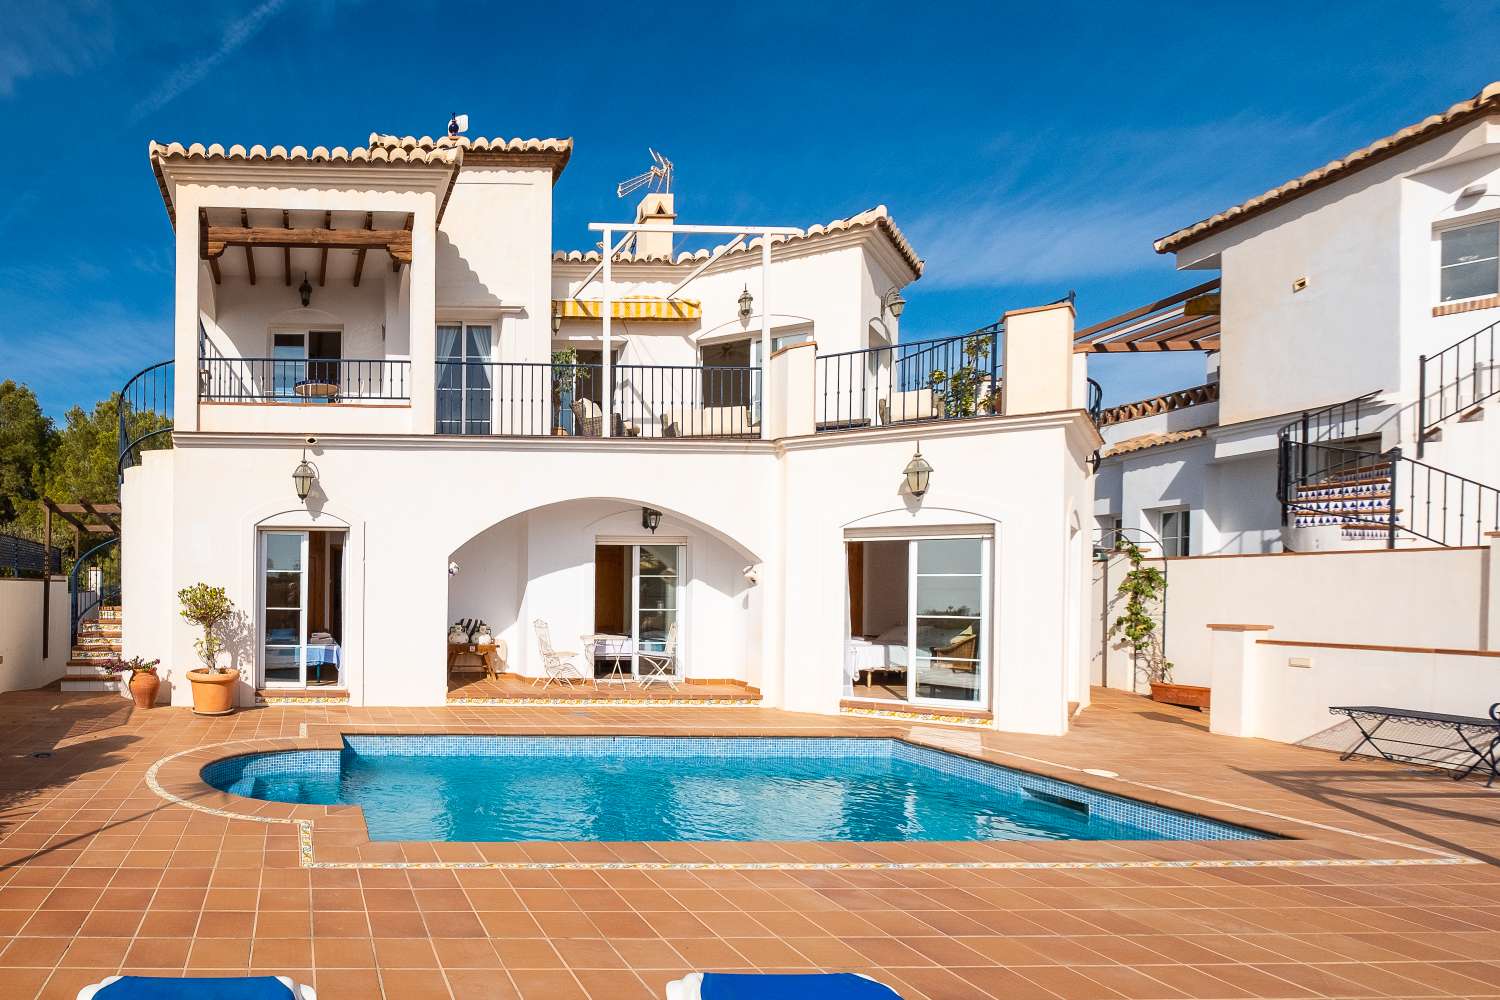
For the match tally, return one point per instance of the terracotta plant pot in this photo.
(1184, 695)
(143, 687)
(213, 694)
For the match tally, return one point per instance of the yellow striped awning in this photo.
(633, 307)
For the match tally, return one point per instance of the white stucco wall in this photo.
(1419, 597)
(22, 665)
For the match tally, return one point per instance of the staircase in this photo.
(98, 642)
(1355, 502)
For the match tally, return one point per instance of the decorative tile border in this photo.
(901, 716)
(605, 702)
(283, 702)
(307, 856)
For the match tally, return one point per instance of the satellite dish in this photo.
(458, 124)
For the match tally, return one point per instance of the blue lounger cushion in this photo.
(812, 986)
(200, 988)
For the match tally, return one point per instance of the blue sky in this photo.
(1027, 149)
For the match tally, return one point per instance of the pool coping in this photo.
(337, 836)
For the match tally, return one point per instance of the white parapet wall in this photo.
(22, 665)
(1281, 689)
(1428, 598)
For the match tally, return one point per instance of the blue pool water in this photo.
(631, 788)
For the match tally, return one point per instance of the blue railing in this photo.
(943, 379)
(145, 413)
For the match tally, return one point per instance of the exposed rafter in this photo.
(1187, 321)
(286, 251)
(213, 262)
(323, 264)
(359, 260)
(249, 250)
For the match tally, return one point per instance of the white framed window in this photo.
(1469, 261)
(1174, 529)
(464, 384)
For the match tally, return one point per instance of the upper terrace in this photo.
(409, 288)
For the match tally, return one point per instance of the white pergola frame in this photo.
(740, 234)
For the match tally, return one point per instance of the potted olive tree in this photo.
(209, 608)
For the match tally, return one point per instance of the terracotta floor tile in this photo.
(411, 984)
(470, 984)
(539, 984)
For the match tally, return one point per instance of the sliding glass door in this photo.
(657, 590)
(284, 604)
(947, 615)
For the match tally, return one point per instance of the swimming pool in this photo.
(635, 788)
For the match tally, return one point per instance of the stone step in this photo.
(79, 685)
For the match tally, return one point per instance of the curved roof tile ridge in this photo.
(476, 143)
(1487, 101)
(878, 218)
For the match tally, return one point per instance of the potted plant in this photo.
(968, 391)
(565, 376)
(143, 683)
(213, 686)
(1144, 588)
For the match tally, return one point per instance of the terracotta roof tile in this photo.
(1487, 101)
(161, 152)
(1177, 399)
(553, 153)
(1144, 441)
(878, 218)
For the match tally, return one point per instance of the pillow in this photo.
(895, 634)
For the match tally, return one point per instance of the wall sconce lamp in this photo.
(893, 303)
(304, 474)
(918, 473)
(556, 322)
(747, 304)
(650, 519)
(305, 290)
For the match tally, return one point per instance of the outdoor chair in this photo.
(196, 988)
(589, 421)
(660, 668)
(556, 666)
(917, 404)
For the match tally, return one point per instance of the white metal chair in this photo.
(660, 667)
(557, 666)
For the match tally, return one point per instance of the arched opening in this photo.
(625, 610)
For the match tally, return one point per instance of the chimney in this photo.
(655, 209)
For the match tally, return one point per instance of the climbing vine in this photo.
(1143, 589)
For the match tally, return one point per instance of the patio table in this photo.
(605, 646)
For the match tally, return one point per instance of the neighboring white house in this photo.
(1363, 294)
(704, 455)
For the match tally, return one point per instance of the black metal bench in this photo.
(1480, 737)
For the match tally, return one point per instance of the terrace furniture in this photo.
(488, 656)
(1479, 736)
(557, 666)
(196, 988)
(615, 648)
(795, 986)
(589, 421)
(708, 421)
(660, 667)
(916, 404)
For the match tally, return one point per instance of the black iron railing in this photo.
(1455, 380)
(93, 582)
(1332, 469)
(145, 410)
(250, 380)
(536, 399)
(687, 401)
(1095, 402)
(944, 379)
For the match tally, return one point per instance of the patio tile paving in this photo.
(99, 874)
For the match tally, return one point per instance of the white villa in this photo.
(1350, 339)
(700, 469)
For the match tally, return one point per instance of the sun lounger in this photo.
(1477, 746)
(196, 988)
(810, 986)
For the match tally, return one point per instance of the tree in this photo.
(1144, 587)
(27, 438)
(82, 464)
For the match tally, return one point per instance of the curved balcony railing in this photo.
(145, 411)
(93, 582)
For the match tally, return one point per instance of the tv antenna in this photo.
(659, 177)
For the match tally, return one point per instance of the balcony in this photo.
(298, 380)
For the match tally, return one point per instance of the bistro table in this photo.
(618, 649)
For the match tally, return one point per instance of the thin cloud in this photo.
(190, 74)
(52, 39)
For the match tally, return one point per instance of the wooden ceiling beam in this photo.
(249, 250)
(359, 260)
(323, 265)
(286, 251)
(213, 262)
(222, 237)
(395, 260)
